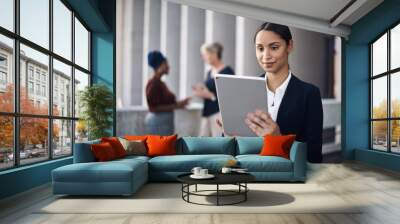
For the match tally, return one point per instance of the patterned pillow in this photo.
(134, 147)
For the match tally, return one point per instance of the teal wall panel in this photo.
(24, 178)
(355, 141)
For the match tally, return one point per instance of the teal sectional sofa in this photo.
(125, 176)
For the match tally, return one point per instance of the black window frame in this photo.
(16, 115)
(388, 74)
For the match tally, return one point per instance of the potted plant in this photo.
(96, 103)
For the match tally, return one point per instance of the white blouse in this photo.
(275, 99)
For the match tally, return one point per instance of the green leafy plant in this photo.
(96, 102)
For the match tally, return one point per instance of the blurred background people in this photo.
(212, 55)
(161, 101)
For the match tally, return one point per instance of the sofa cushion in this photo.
(161, 145)
(257, 163)
(134, 147)
(116, 145)
(249, 145)
(103, 152)
(206, 145)
(185, 163)
(112, 171)
(277, 145)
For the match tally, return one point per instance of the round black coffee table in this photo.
(238, 179)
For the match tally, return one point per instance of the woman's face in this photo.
(164, 68)
(209, 57)
(272, 52)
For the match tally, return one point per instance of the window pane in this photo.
(81, 81)
(35, 21)
(395, 95)
(379, 55)
(81, 45)
(6, 74)
(7, 14)
(395, 47)
(379, 97)
(62, 138)
(34, 72)
(33, 140)
(395, 136)
(379, 135)
(6, 142)
(62, 29)
(62, 89)
(81, 131)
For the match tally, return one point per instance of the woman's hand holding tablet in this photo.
(262, 124)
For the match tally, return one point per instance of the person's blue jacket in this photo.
(301, 113)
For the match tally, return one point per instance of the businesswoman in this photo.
(212, 55)
(161, 101)
(294, 106)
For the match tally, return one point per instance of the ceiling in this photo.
(333, 17)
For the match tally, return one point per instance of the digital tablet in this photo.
(237, 96)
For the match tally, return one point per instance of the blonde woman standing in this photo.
(212, 55)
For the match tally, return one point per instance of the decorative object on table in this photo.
(237, 170)
(200, 173)
(196, 170)
(97, 104)
(226, 170)
(229, 165)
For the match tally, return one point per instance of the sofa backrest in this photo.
(83, 152)
(190, 146)
(206, 145)
(249, 145)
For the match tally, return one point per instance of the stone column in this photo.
(171, 41)
(222, 28)
(129, 33)
(151, 38)
(309, 59)
(192, 37)
(246, 61)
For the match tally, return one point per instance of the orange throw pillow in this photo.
(277, 145)
(103, 152)
(161, 145)
(135, 137)
(116, 145)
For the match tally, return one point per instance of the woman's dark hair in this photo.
(281, 30)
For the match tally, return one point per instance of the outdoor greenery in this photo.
(96, 102)
(380, 128)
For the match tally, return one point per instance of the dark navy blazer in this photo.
(301, 113)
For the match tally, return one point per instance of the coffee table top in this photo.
(220, 178)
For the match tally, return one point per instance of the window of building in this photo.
(3, 78)
(55, 127)
(38, 89)
(3, 61)
(30, 87)
(37, 74)
(43, 77)
(30, 72)
(44, 91)
(385, 97)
